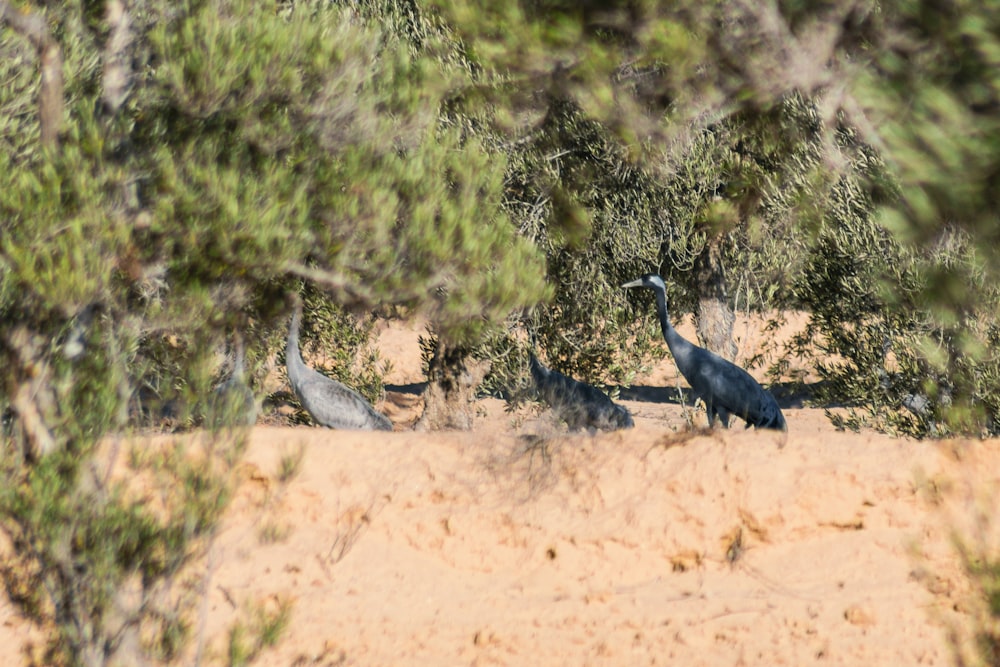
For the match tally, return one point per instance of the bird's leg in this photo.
(712, 414)
(723, 416)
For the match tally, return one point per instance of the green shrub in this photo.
(164, 227)
(95, 557)
(885, 350)
(602, 218)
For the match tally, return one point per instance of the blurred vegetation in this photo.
(163, 225)
(497, 168)
(821, 153)
(262, 630)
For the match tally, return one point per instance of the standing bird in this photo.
(724, 387)
(329, 402)
(579, 404)
(233, 401)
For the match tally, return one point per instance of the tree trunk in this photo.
(32, 25)
(715, 315)
(117, 70)
(452, 379)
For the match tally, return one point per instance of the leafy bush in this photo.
(666, 75)
(603, 217)
(164, 226)
(883, 347)
(96, 560)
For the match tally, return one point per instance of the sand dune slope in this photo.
(629, 548)
(519, 544)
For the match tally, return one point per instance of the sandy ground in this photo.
(519, 544)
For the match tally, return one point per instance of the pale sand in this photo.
(519, 544)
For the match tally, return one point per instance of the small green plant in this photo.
(261, 628)
(272, 531)
(983, 572)
(290, 465)
(97, 557)
(351, 524)
(274, 528)
(967, 506)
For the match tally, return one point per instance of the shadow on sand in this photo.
(787, 394)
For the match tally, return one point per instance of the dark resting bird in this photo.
(725, 388)
(579, 404)
(330, 403)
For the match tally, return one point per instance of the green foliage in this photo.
(290, 465)
(575, 194)
(247, 638)
(882, 346)
(19, 128)
(917, 81)
(621, 63)
(984, 572)
(603, 218)
(935, 91)
(162, 228)
(807, 213)
(93, 559)
(974, 637)
(317, 154)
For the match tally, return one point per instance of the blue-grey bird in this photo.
(330, 403)
(725, 388)
(233, 399)
(579, 404)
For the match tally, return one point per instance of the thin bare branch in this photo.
(116, 70)
(334, 283)
(29, 390)
(33, 27)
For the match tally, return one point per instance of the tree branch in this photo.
(116, 70)
(29, 389)
(333, 283)
(32, 26)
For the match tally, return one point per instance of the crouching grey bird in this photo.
(233, 401)
(330, 403)
(579, 404)
(725, 388)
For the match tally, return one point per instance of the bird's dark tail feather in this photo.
(579, 404)
(771, 417)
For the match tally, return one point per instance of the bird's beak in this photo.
(635, 283)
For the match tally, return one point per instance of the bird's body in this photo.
(579, 404)
(328, 402)
(725, 388)
(234, 400)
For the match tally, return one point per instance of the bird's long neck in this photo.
(239, 362)
(679, 347)
(292, 355)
